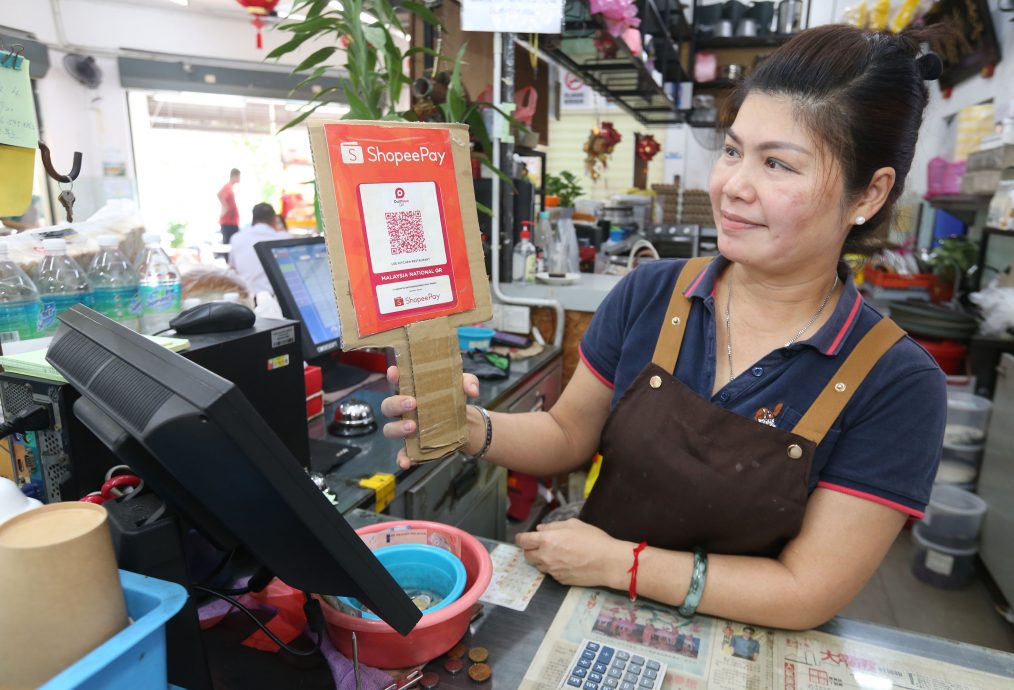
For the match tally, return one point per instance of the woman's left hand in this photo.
(573, 552)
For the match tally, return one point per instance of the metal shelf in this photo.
(719, 42)
(624, 79)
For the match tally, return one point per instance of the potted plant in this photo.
(951, 260)
(566, 188)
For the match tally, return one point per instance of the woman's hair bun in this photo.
(930, 66)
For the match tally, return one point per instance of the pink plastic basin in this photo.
(382, 646)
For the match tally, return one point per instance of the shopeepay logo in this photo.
(352, 153)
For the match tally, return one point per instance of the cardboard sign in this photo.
(406, 258)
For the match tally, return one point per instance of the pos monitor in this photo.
(300, 275)
(202, 447)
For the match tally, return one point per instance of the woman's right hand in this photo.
(397, 405)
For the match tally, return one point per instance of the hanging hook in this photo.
(47, 163)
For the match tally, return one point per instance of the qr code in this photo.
(405, 231)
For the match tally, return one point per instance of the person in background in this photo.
(229, 217)
(263, 228)
(765, 433)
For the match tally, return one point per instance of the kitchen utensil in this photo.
(732, 72)
(790, 15)
(353, 417)
(723, 29)
(763, 13)
(734, 11)
(747, 27)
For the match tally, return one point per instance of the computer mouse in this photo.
(213, 317)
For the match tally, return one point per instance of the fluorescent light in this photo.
(183, 3)
(198, 98)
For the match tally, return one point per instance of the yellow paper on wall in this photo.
(17, 168)
(18, 124)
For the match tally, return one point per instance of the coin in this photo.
(480, 673)
(454, 666)
(457, 651)
(478, 654)
(430, 680)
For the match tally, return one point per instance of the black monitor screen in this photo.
(307, 274)
(204, 449)
(300, 274)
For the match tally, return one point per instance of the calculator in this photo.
(600, 666)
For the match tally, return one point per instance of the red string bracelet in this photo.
(633, 570)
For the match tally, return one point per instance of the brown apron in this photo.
(680, 472)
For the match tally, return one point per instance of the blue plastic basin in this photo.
(474, 338)
(420, 568)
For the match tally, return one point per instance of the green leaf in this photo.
(299, 118)
(457, 104)
(488, 164)
(358, 107)
(428, 51)
(287, 47)
(310, 26)
(315, 59)
(317, 73)
(423, 12)
(483, 209)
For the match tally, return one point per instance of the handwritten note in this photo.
(18, 126)
(519, 16)
(514, 582)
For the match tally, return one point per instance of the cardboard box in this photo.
(982, 182)
(406, 258)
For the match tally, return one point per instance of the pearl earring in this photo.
(860, 220)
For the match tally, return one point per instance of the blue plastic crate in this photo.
(135, 657)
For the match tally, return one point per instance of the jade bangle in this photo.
(693, 599)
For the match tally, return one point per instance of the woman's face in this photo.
(776, 197)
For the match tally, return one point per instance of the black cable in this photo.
(33, 418)
(314, 616)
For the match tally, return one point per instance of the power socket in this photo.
(512, 318)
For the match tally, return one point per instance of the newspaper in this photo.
(716, 654)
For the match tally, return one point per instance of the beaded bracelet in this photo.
(689, 606)
(489, 433)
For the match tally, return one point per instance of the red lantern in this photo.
(647, 147)
(258, 9)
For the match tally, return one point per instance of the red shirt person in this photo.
(229, 217)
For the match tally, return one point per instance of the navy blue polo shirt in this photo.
(884, 446)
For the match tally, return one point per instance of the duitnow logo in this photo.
(353, 154)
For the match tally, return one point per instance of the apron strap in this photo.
(843, 385)
(670, 336)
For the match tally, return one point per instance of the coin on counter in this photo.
(478, 654)
(454, 666)
(430, 680)
(480, 673)
(457, 651)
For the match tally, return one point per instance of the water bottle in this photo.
(115, 291)
(524, 259)
(160, 286)
(19, 301)
(543, 239)
(61, 283)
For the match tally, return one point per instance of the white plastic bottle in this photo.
(543, 240)
(115, 284)
(19, 301)
(523, 267)
(160, 286)
(61, 283)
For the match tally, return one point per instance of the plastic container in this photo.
(960, 475)
(524, 259)
(942, 566)
(953, 517)
(19, 301)
(474, 338)
(950, 355)
(967, 418)
(61, 283)
(431, 576)
(135, 657)
(382, 646)
(160, 286)
(943, 177)
(115, 289)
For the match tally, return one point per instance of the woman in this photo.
(765, 433)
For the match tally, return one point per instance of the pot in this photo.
(732, 72)
(790, 16)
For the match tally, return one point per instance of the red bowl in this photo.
(382, 646)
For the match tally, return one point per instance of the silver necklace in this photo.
(799, 333)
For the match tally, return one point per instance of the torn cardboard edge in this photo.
(426, 351)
